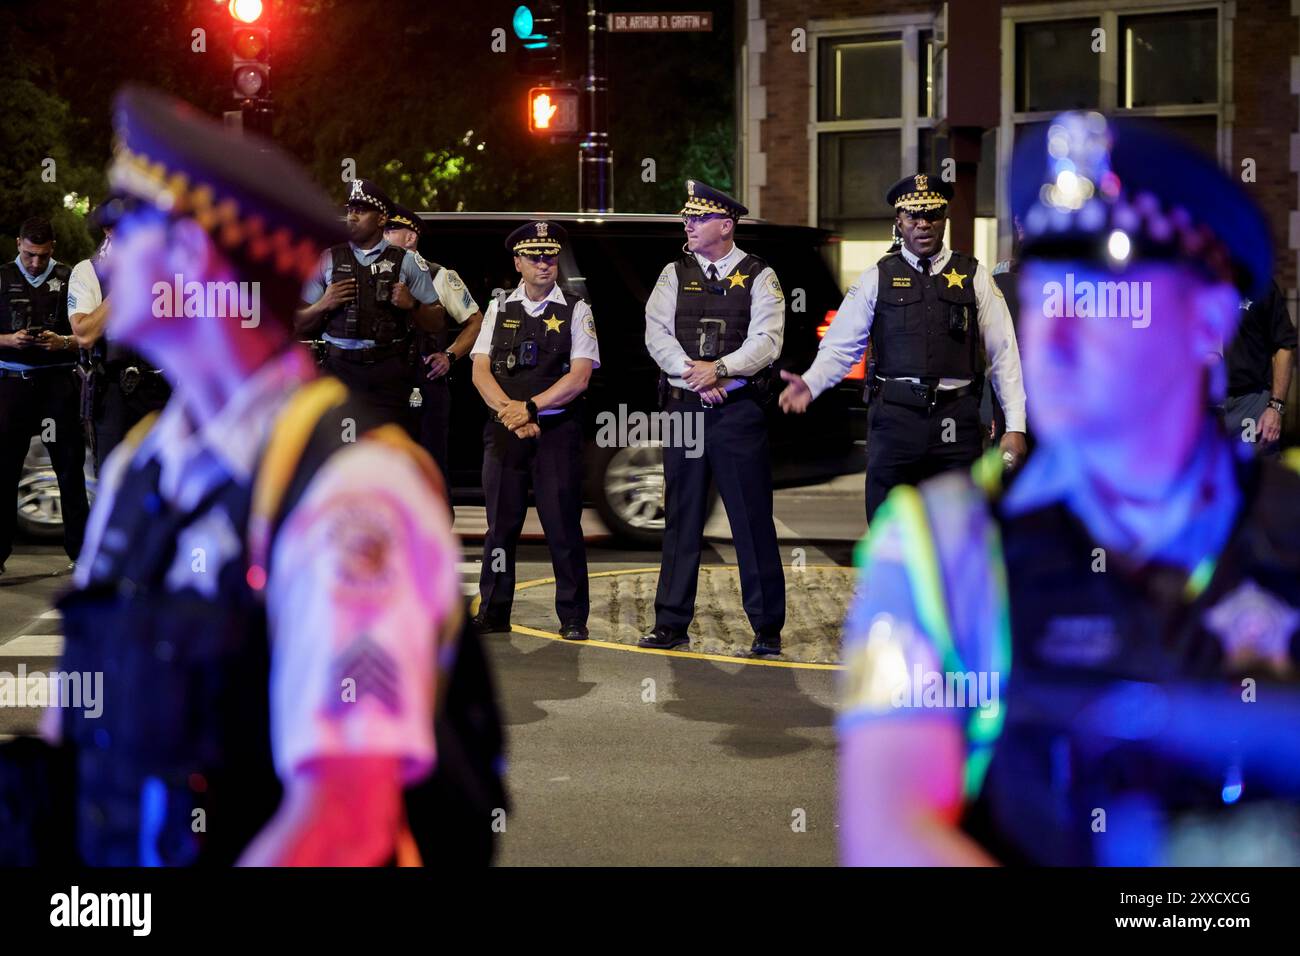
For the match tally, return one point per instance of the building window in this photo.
(876, 95)
(1164, 67)
(1056, 68)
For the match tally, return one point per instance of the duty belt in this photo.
(687, 395)
(920, 395)
(366, 356)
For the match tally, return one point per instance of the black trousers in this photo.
(25, 405)
(552, 462)
(384, 385)
(117, 412)
(735, 457)
(435, 419)
(906, 445)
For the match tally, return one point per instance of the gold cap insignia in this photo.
(541, 230)
(922, 182)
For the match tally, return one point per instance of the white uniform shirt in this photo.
(454, 296)
(84, 293)
(763, 340)
(363, 572)
(582, 331)
(846, 340)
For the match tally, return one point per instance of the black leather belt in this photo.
(687, 395)
(33, 372)
(920, 395)
(366, 356)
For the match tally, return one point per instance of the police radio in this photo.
(711, 333)
(346, 270)
(20, 314)
(958, 319)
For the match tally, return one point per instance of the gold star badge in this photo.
(954, 278)
(553, 324)
(736, 279)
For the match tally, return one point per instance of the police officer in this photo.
(272, 606)
(366, 299)
(38, 383)
(926, 309)
(121, 386)
(532, 362)
(715, 322)
(1100, 607)
(1259, 364)
(438, 352)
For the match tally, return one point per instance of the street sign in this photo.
(660, 22)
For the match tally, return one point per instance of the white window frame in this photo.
(910, 26)
(1108, 13)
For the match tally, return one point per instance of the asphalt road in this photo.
(616, 755)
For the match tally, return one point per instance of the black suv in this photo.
(613, 261)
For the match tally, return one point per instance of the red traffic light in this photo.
(553, 110)
(246, 11)
(250, 44)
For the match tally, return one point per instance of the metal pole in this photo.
(595, 157)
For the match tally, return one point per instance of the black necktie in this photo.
(924, 266)
(713, 272)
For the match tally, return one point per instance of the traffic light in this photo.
(539, 25)
(553, 110)
(250, 52)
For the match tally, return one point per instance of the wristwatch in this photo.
(1276, 404)
(720, 368)
(532, 410)
(451, 356)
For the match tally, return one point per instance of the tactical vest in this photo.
(193, 731)
(727, 299)
(367, 317)
(43, 307)
(926, 327)
(551, 330)
(1077, 634)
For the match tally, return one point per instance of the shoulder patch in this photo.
(774, 285)
(453, 279)
(589, 325)
(420, 261)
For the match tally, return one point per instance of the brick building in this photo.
(839, 98)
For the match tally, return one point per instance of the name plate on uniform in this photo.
(693, 286)
(509, 323)
(902, 282)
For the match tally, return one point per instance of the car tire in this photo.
(627, 488)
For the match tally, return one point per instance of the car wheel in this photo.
(628, 492)
(40, 507)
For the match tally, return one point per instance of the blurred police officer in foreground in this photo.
(38, 383)
(1259, 363)
(119, 385)
(715, 322)
(438, 352)
(926, 309)
(366, 299)
(269, 587)
(1103, 607)
(532, 362)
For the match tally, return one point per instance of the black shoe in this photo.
(574, 632)
(485, 623)
(765, 645)
(664, 639)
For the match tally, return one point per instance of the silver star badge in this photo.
(55, 285)
(202, 550)
(384, 265)
(1253, 625)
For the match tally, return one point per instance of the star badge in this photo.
(202, 550)
(55, 285)
(1253, 625)
(384, 265)
(553, 324)
(955, 278)
(736, 279)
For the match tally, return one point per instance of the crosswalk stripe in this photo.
(33, 645)
(50, 616)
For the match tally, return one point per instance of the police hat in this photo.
(539, 238)
(255, 201)
(399, 217)
(702, 199)
(1095, 188)
(366, 193)
(919, 192)
(108, 212)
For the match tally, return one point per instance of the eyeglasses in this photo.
(537, 259)
(934, 215)
(694, 220)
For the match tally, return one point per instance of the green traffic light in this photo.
(523, 23)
